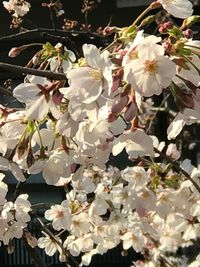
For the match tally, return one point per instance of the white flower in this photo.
(80, 224)
(60, 216)
(136, 143)
(20, 8)
(50, 245)
(3, 189)
(12, 130)
(178, 8)
(172, 152)
(59, 64)
(89, 80)
(87, 257)
(56, 167)
(136, 176)
(99, 206)
(22, 206)
(191, 74)
(135, 239)
(151, 71)
(6, 165)
(13, 231)
(188, 117)
(37, 95)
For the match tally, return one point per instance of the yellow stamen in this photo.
(150, 66)
(96, 75)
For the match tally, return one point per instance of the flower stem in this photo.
(178, 168)
(154, 5)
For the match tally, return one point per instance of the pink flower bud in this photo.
(131, 111)
(162, 29)
(188, 33)
(168, 25)
(14, 52)
(167, 46)
(35, 60)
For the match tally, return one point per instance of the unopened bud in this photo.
(147, 21)
(109, 30)
(168, 25)
(190, 21)
(155, 5)
(188, 33)
(31, 240)
(165, 26)
(62, 257)
(162, 29)
(131, 111)
(35, 59)
(167, 46)
(14, 52)
(119, 104)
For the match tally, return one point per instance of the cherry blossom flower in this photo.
(147, 73)
(89, 80)
(60, 216)
(49, 244)
(19, 7)
(136, 143)
(172, 152)
(134, 239)
(3, 189)
(37, 95)
(80, 224)
(60, 64)
(187, 117)
(178, 8)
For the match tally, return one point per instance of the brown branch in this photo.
(44, 32)
(52, 236)
(34, 254)
(23, 70)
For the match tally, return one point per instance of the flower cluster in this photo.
(13, 215)
(132, 207)
(18, 9)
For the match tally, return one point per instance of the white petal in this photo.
(118, 147)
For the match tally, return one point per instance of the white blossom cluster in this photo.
(127, 208)
(13, 215)
(19, 8)
(69, 129)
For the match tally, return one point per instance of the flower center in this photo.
(60, 214)
(133, 54)
(96, 74)
(150, 66)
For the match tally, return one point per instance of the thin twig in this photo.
(34, 254)
(41, 205)
(23, 70)
(178, 168)
(49, 233)
(44, 31)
